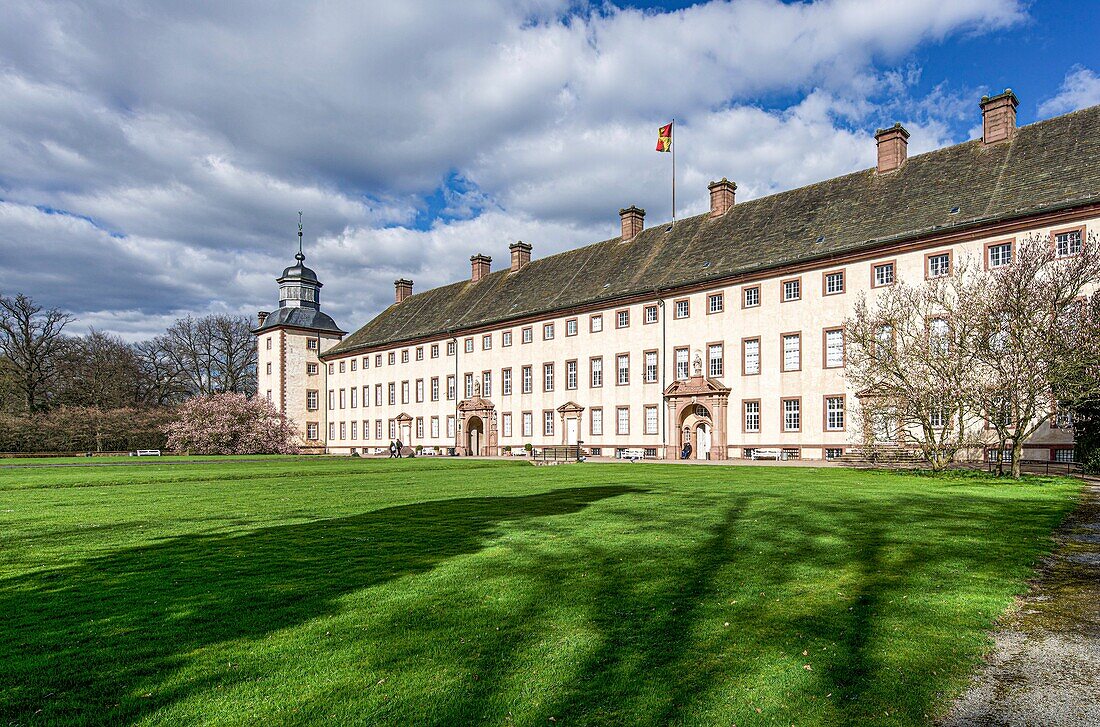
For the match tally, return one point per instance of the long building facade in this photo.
(724, 330)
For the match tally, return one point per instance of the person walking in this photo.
(393, 450)
(399, 446)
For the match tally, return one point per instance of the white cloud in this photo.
(1079, 90)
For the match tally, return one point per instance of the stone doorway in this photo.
(696, 409)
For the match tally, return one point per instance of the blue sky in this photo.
(153, 157)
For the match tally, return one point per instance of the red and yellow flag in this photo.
(664, 138)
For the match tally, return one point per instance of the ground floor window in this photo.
(311, 431)
(1062, 455)
(651, 452)
(450, 427)
(791, 453)
(506, 425)
(834, 453)
(998, 455)
(435, 427)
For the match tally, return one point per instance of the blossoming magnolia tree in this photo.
(231, 424)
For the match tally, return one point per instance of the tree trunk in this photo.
(1017, 455)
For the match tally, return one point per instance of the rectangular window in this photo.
(792, 289)
(311, 369)
(547, 331)
(468, 385)
(792, 352)
(834, 283)
(1062, 455)
(682, 364)
(331, 369)
(651, 420)
(435, 428)
(651, 367)
(366, 365)
(834, 348)
(331, 399)
(1063, 416)
(343, 366)
(269, 368)
(595, 323)
(312, 344)
(378, 429)
(596, 365)
(571, 327)
(419, 390)
(622, 369)
(622, 319)
(269, 395)
(938, 264)
(332, 431)
(716, 361)
(354, 430)
(622, 420)
(506, 382)
(832, 453)
(391, 358)
(419, 353)
(882, 275)
(596, 426)
(487, 342)
(651, 315)
(451, 388)
(752, 416)
(420, 427)
(343, 398)
(354, 397)
(366, 399)
(792, 415)
(343, 431)
(435, 350)
(378, 394)
(527, 424)
(268, 342)
(750, 297)
(311, 431)
(487, 384)
(938, 417)
(1067, 243)
(834, 413)
(548, 423)
(506, 424)
(377, 360)
(548, 377)
(435, 388)
(353, 362)
(311, 400)
(468, 345)
(527, 380)
(450, 348)
(750, 356)
(683, 308)
(526, 335)
(998, 254)
(716, 303)
(506, 339)
(570, 374)
(404, 392)
(451, 427)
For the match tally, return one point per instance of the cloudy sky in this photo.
(154, 156)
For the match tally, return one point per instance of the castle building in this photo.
(725, 330)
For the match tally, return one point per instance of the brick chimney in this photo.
(999, 117)
(521, 254)
(721, 196)
(261, 317)
(479, 266)
(633, 220)
(893, 143)
(402, 288)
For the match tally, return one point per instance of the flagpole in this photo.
(672, 140)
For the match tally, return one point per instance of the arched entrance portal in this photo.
(697, 411)
(475, 435)
(697, 428)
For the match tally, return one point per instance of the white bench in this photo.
(146, 453)
(519, 452)
(632, 454)
(776, 454)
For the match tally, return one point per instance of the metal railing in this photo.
(1035, 466)
(563, 453)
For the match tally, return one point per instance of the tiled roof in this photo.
(1048, 164)
(299, 318)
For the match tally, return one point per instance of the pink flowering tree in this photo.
(231, 424)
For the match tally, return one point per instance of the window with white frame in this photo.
(716, 360)
(651, 420)
(435, 388)
(506, 424)
(487, 384)
(419, 391)
(651, 314)
(526, 380)
(269, 395)
(884, 274)
(405, 356)
(548, 423)
(420, 427)
(937, 418)
(622, 319)
(1067, 243)
(526, 335)
(311, 369)
(570, 374)
(451, 388)
(999, 255)
(751, 355)
(1063, 455)
(682, 365)
(752, 416)
(468, 385)
(595, 323)
(792, 351)
(419, 353)
(571, 327)
(331, 399)
(451, 427)
(393, 429)
(404, 392)
(378, 394)
(487, 342)
(268, 342)
(792, 289)
(434, 428)
(939, 265)
(834, 282)
(597, 371)
(834, 348)
(366, 398)
(651, 367)
(939, 336)
(311, 431)
(353, 397)
(683, 308)
(311, 400)
(377, 360)
(596, 425)
(343, 366)
(834, 413)
(792, 415)
(622, 367)
(526, 424)
(716, 303)
(547, 331)
(548, 377)
(506, 382)
(450, 348)
(331, 369)
(622, 420)
(468, 345)
(434, 351)
(506, 339)
(332, 430)
(377, 428)
(752, 296)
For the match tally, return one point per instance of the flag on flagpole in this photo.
(664, 138)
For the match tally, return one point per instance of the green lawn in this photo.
(423, 591)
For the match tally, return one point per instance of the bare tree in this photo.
(212, 354)
(32, 341)
(161, 382)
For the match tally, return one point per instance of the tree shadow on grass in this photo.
(79, 641)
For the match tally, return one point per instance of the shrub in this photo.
(86, 429)
(527, 447)
(231, 424)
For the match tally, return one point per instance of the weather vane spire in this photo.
(300, 256)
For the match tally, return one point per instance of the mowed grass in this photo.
(284, 591)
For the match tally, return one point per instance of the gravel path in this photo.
(1045, 666)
